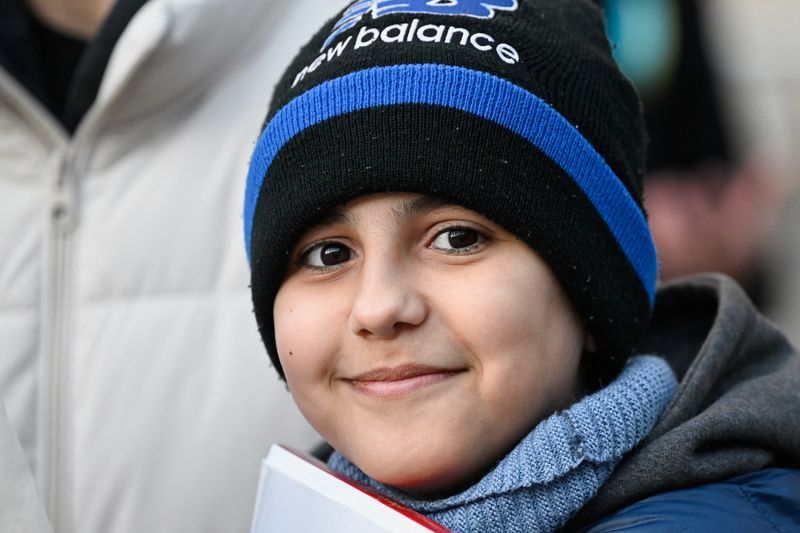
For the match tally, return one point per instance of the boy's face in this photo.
(422, 340)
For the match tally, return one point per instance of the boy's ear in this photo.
(590, 346)
(595, 373)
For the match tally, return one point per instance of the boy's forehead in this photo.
(399, 206)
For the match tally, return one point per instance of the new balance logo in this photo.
(484, 9)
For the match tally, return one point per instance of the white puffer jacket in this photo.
(130, 365)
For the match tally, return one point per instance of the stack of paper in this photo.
(298, 493)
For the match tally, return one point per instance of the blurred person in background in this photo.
(135, 394)
(712, 204)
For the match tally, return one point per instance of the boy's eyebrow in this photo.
(423, 204)
(420, 205)
(333, 217)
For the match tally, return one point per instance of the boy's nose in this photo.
(386, 303)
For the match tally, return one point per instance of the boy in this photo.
(451, 267)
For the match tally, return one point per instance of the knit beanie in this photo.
(512, 108)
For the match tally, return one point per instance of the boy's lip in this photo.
(399, 380)
(401, 372)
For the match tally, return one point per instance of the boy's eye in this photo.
(455, 240)
(326, 254)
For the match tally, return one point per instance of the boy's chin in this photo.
(433, 477)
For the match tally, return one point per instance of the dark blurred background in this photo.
(720, 82)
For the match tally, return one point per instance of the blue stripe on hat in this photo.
(501, 102)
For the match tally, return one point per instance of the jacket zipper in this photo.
(60, 221)
(62, 218)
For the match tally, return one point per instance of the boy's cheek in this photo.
(306, 328)
(305, 356)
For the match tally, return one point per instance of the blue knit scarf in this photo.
(558, 466)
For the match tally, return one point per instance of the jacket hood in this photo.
(177, 29)
(736, 410)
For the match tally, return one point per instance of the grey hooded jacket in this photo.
(737, 409)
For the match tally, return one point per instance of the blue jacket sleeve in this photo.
(764, 501)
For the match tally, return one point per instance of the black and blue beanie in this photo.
(512, 108)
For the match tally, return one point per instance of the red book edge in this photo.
(402, 509)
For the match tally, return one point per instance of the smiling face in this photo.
(422, 340)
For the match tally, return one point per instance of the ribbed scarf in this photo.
(558, 466)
